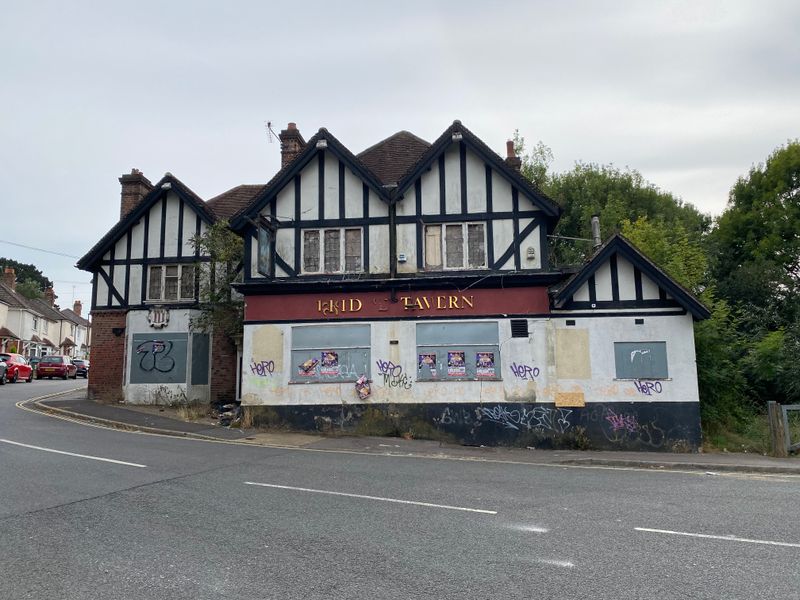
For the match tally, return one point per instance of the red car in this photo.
(17, 367)
(56, 365)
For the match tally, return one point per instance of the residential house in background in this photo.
(74, 331)
(29, 325)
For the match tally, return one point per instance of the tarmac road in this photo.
(87, 512)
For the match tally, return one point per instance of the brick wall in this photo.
(108, 356)
(223, 369)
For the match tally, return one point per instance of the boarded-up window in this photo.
(454, 246)
(171, 282)
(352, 250)
(458, 351)
(187, 281)
(433, 247)
(464, 244)
(332, 243)
(311, 251)
(476, 245)
(330, 353)
(154, 287)
(641, 360)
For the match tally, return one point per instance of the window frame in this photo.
(181, 267)
(321, 248)
(465, 266)
(343, 352)
(486, 340)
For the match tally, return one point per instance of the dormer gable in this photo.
(619, 277)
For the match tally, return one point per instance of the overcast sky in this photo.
(691, 94)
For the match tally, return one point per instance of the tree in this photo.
(30, 289)
(221, 307)
(26, 272)
(756, 243)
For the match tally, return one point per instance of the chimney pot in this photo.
(50, 296)
(510, 149)
(77, 307)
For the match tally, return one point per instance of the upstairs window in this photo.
(332, 250)
(459, 246)
(171, 283)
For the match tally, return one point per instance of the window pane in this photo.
(311, 251)
(332, 260)
(171, 283)
(641, 360)
(154, 289)
(352, 250)
(187, 281)
(454, 245)
(476, 245)
(433, 247)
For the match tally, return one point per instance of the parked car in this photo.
(83, 367)
(17, 367)
(3, 369)
(56, 365)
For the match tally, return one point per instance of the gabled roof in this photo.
(67, 342)
(489, 156)
(47, 311)
(234, 200)
(391, 158)
(48, 342)
(167, 183)
(287, 173)
(16, 300)
(7, 333)
(618, 244)
(72, 316)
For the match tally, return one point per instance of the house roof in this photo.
(48, 342)
(47, 311)
(16, 300)
(67, 342)
(239, 221)
(392, 157)
(72, 316)
(234, 200)
(7, 333)
(621, 245)
(457, 129)
(167, 183)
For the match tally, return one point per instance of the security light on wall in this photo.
(322, 144)
(401, 258)
(531, 252)
(457, 136)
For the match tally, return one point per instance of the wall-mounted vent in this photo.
(570, 322)
(638, 321)
(519, 328)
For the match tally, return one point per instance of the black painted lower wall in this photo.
(656, 426)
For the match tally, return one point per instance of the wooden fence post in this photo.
(776, 429)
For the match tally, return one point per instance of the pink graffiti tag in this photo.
(627, 422)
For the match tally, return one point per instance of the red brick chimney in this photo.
(292, 144)
(10, 277)
(77, 307)
(50, 296)
(134, 187)
(512, 160)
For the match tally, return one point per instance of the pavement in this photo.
(155, 420)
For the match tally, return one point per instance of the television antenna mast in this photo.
(270, 131)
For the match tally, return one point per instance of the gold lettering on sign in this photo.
(450, 302)
(439, 305)
(333, 307)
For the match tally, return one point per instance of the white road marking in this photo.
(530, 528)
(729, 538)
(556, 563)
(109, 460)
(363, 497)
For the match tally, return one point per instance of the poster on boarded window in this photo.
(484, 364)
(456, 364)
(427, 364)
(308, 368)
(329, 364)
